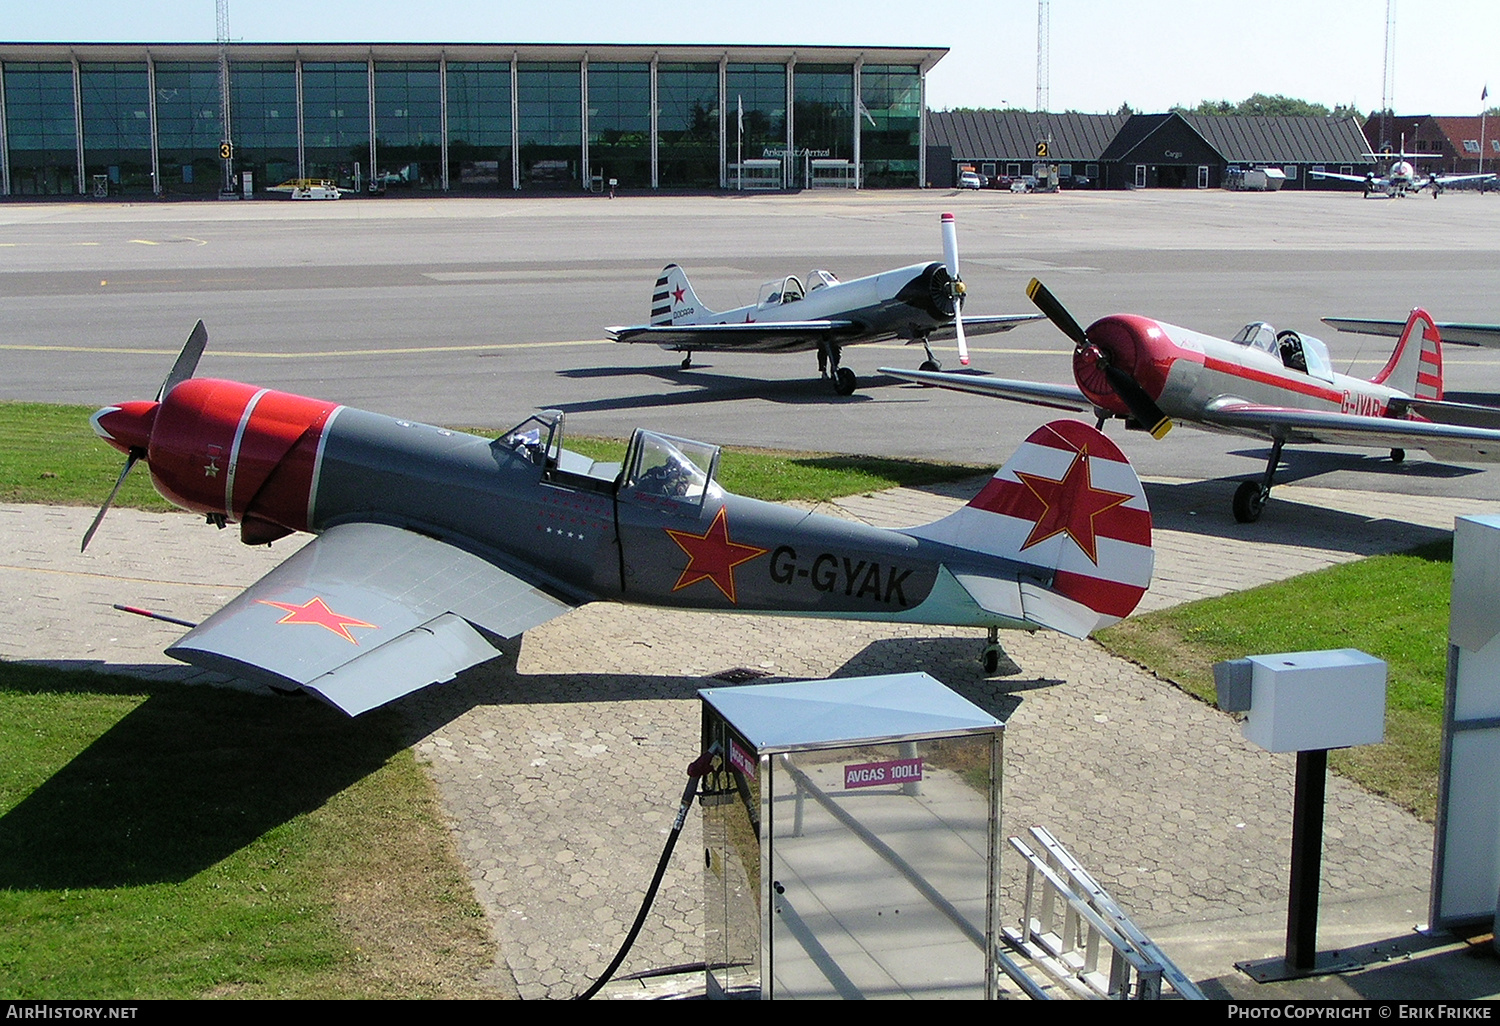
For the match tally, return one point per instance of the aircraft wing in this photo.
(721, 337)
(1461, 334)
(365, 613)
(1343, 178)
(1057, 397)
(1450, 179)
(1460, 442)
(986, 325)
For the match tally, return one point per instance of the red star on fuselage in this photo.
(316, 611)
(1071, 504)
(712, 556)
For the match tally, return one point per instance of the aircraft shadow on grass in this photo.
(194, 773)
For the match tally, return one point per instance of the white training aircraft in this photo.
(1278, 386)
(1402, 178)
(917, 304)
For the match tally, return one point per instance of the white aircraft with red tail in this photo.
(1279, 386)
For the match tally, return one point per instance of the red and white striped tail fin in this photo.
(1416, 364)
(673, 300)
(1069, 504)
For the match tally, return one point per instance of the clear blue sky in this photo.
(1149, 53)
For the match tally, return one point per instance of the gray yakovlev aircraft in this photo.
(917, 303)
(434, 546)
(1279, 386)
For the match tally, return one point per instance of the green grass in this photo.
(49, 454)
(178, 842)
(1393, 607)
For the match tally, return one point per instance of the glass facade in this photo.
(187, 128)
(620, 123)
(549, 97)
(759, 90)
(890, 148)
(408, 126)
(40, 133)
(263, 120)
(823, 110)
(380, 124)
(116, 125)
(687, 125)
(479, 143)
(336, 122)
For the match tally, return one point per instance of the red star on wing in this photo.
(1072, 504)
(677, 295)
(316, 611)
(712, 556)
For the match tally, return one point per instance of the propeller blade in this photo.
(950, 261)
(1141, 406)
(130, 461)
(950, 246)
(1058, 314)
(187, 361)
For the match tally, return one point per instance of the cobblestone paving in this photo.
(560, 766)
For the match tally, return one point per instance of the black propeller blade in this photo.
(182, 369)
(1140, 404)
(187, 361)
(130, 461)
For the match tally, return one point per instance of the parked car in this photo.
(1019, 185)
(968, 180)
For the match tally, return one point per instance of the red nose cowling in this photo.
(222, 447)
(1136, 345)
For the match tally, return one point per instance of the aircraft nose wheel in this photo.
(1249, 500)
(990, 657)
(844, 381)
(1397, 455)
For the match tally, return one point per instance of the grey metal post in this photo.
(443, 117)
(4, 139)
(78, 126)
(655, 114)
(723, 121)
(370, 109)
(301, 129)
(515, 123)
(583, 93)
(859, 106)
(151, 123)
(788, 163)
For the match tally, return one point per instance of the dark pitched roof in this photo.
(1013, 134)
(1253, 139)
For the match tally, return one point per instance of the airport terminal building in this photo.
(142, 119)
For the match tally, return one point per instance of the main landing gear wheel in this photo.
(930, 365)
(844, 381)
(990, 657)
(1249, 500)
(687, 362)
(1397, 455)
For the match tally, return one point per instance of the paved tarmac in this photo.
(477, 311)
(560, 766)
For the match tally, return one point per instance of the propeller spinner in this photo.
(1136, 399)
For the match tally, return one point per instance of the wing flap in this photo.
(357, 590)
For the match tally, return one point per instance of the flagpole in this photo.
(739, 141)
(1484, 95)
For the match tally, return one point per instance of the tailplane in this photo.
(673, 300)
(1068, 506)
(1416, 364)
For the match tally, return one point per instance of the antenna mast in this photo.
(1043, 72)
(226, 149)
(1388, 84)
